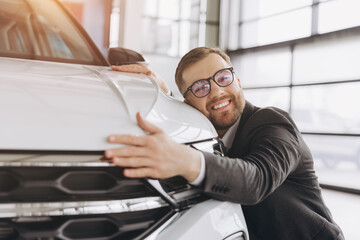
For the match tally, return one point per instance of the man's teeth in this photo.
(221, 105)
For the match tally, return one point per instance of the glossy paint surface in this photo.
(59, 106)
(216, 219)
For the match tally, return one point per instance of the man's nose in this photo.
(216, 89)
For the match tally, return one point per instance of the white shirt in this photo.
(227, 139)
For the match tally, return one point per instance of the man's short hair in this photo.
(194, 56)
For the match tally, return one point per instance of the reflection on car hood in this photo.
(56, 106)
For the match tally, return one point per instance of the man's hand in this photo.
(143, 69)
(155, 155)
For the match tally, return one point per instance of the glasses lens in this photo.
(224, 77)
(201, 88)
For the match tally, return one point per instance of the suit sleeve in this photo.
(272, 154)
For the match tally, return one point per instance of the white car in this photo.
(59, 101)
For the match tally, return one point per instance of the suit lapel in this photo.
(249, 109)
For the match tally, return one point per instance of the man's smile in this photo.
(221, 105)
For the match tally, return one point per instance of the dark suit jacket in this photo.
(269, 170)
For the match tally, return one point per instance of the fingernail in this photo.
(111, 138)
(115, 160)
(126, 173)
(108, 154)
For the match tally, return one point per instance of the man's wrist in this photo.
(201, 174)
(190, 168)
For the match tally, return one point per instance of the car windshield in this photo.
(42, 30)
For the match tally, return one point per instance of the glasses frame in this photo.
(208, 80)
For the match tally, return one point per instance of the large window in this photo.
(173, 27)
(303, 56)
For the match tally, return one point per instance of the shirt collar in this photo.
(229, 136)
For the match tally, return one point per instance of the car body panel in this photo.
(225, 219)
(79, 106)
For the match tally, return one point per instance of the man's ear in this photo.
(238, 79)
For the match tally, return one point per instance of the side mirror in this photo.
(122, 56)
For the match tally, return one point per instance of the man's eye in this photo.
(201, 88)
(221, 79)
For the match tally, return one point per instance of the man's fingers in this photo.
(133, 68)
(131, 151)
(127, 68)
(138, 172)
(122, 68)
(128, 139)
(147, 126)
(134, 162)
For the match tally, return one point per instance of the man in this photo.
(268, 168)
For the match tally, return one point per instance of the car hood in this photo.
(58, 106)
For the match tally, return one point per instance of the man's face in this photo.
(223, 105)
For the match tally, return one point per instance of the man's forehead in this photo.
(204, 68)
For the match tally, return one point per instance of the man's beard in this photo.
(227, 118)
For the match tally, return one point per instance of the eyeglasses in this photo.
(202, 87)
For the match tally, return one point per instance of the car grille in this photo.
(129, 225)
(23, 184)
(72, 195)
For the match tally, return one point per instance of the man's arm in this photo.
(155, 155)
(272, 154)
